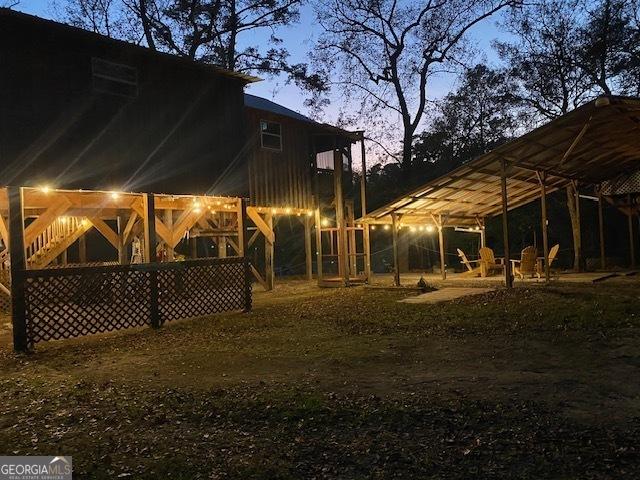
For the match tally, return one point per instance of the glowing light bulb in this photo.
(387, 227)
(429, 228)
(373, 227)
(274, 211)
(325, 222)
(115, 195)
(287, 211)
(412, 228)
(309, 213)
(45, 188)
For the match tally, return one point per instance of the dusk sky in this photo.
(298, 39)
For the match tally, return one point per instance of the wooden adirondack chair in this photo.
(553, 253)
(527, 265)
(471, 270)
(489, 263)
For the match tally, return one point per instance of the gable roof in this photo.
(259, 103)
(7, 14)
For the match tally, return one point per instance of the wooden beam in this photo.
(632, 242)
(576, 141)
(106, 231)
(47, 218)
(343, 245)
(187, 220)
(263, 226)
(258, 277)
(603, 258)
(545, 234)
(269, 251)
(443, 261)
(63, 245)
(319, 272)
(18, 266)
(394, 238)
(308, 255)
(129, 227)
(4, 232)
(505, 225)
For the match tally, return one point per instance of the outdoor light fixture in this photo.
(45, 188)
(373, 227)
(387, 227)
(274, 211)
(429, 228)
(412, 228)
(115, 195)
(309, 213)
(421, 228)
(325, 222)
(287, 210)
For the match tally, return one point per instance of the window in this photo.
(271, 135)
(114, 78)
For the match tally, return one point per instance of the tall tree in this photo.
(383, 52)
(479, 115)
(220, 32)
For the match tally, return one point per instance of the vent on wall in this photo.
(114, 78)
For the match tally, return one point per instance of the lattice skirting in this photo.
(72, 302)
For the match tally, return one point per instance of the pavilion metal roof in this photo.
(596, 142)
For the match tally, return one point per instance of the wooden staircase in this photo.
(55, 239)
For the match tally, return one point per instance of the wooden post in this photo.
(193, 246)
(632, 246)
(221, 240)
(242, 227)
(542, 177)
(122, 248)
(508, 279)
(483, 236)
(443, 265)
(82, 248)
(351, 223)
(343, 246)
(18, 266)
(396, 264)
(168, 221)
(318, 244)
(603, 258)
(269, 252)
(363, 206)
(243, 245)
(576, 225)
(308, 255)
(151, 256)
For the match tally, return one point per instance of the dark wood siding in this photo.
(182, 131)
(280, 178)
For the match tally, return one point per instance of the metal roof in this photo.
(596, 142)
(260, 103)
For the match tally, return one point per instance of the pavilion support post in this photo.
(603, 258)
(269, 253)
(151, 256)
(573, 203)
(193, 247)
(82, 248)
(18, 266)
(632, 246)
(396, 263)
(308, 254)
(221, 240)
(542, 177)
(508, 279)
(483, 236)
(318, 225)
(443, 265)
(363, 209)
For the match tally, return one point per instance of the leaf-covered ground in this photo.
(534, 383)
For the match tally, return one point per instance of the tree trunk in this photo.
(575, 227)
(146, 27)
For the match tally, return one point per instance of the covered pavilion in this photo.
(594, 147)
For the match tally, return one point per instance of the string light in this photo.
(412, 228)
(429, 228)
(387, 227)
(325, 222)
(373, 227)
(309, 213)
(287, 210)
(115, 195)
(45, 188)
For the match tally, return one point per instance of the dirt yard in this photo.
(539, 382)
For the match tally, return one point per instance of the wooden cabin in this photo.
(83, 111)
(80, 110)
